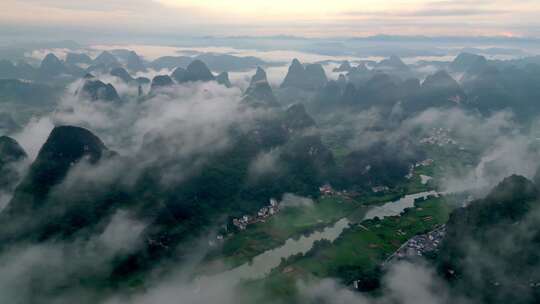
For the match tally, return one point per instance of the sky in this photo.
(310, 18)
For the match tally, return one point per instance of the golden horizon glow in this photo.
(288, 17)
(289, 8)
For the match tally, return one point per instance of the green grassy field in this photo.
(294, 222)
(289, 223)
(359, 248)
(359, 251)
(365, 246)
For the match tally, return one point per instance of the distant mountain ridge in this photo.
(259, 90)
(308, 77)
(95, 90)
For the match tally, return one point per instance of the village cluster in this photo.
(418, 245)
(262, 215)
(274, 207)
(325, 190)
(421, 244)
(243, 222)
(440, 137)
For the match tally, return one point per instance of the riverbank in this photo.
(290, 223)
(296, 222)
(359, 251)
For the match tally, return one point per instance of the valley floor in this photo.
(355, 257)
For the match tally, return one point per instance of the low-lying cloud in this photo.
(45, 273)
(290, 200)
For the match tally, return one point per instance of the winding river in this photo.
(262, 264)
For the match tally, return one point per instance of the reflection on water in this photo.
(262, 264)
(397, 207)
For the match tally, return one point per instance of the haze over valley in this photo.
(310, 152)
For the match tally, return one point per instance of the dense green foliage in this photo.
(492, 247)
